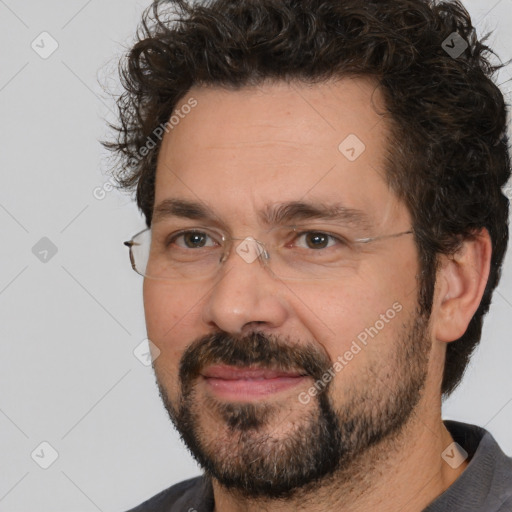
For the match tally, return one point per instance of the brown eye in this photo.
(191, 240)
(315, 240)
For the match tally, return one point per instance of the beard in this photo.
(276, 450)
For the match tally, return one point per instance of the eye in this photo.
(317, 240)
(191, 240)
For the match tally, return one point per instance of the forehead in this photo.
(238, 151)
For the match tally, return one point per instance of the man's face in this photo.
(237, 154)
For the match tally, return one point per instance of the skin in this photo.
(238, 151)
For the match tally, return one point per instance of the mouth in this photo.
(233, 383)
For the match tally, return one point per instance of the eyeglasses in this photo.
(290, 253)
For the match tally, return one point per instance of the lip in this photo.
(240, 384)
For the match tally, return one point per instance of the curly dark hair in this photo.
(448, 154)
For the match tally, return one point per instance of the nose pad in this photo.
(250, 249)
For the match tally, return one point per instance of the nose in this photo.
(245, 293)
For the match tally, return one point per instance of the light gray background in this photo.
(69, 326)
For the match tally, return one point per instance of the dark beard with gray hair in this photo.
(247, 458)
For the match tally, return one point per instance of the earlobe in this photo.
(460, 286)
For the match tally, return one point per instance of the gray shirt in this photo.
(484, 486)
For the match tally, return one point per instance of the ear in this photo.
(460, 285)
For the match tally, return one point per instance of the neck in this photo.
(403, 472)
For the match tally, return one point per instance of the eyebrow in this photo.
(276, 214)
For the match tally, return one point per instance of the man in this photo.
(321, 182)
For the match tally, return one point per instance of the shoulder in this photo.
(507, 506)
(190, 493)
(486, 483)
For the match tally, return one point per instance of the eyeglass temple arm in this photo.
(393, 235)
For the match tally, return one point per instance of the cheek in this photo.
(168, 308)
(359, 332)
(171, 322)
(369, 308)
(335, 310)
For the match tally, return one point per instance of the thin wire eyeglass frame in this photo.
(263, 256)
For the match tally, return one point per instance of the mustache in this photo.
(255, 349)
